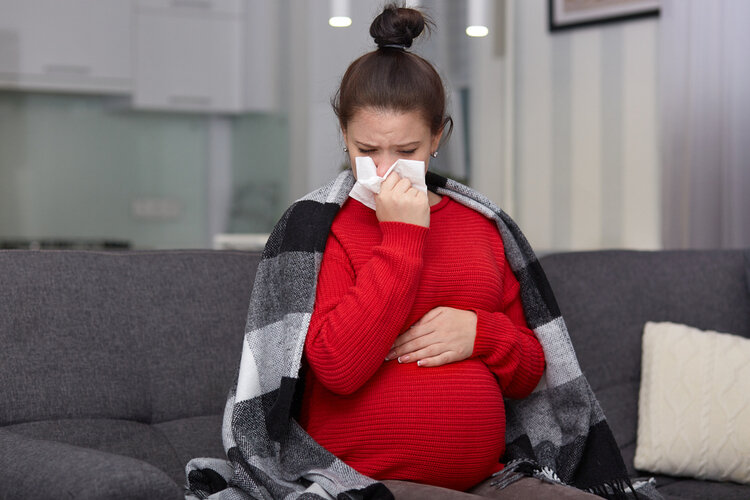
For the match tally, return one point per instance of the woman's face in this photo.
(387, 135)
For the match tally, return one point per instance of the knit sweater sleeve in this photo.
(507, 345)
(357, 316)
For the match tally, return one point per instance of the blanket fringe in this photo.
(619, 489)
(519, 468)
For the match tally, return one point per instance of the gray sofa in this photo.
(115, 366)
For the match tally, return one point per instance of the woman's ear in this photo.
(435, 142)
(343, 133)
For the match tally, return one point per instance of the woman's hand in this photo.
(398, 201)
(443, 335)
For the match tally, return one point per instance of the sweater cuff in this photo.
(491, 332)
(409, 239)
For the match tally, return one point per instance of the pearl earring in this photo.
(346, 150)
(434, 155)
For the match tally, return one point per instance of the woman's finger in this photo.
(439, 360)
(430, 315)
(413, 345)
(412, 333)
(423, 353)
(390, 181)
(402, 186)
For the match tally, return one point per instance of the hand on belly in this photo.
(443, 335)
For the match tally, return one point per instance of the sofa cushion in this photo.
(694, 411)
(167, 446)
(142, 336)
(694, 489)
(119, 437)
(43, 469)
(193, 437)
(674, 488)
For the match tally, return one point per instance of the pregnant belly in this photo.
(442, 425)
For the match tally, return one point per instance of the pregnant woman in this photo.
(388, 349)
(418, 330)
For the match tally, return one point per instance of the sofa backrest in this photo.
(606, 297)
(138, 335)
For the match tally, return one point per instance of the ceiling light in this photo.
(477, 17)
(340, 14)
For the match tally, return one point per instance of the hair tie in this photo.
(393, 46)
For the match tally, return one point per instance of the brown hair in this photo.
(392, 78)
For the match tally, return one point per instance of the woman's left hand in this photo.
(443, 335)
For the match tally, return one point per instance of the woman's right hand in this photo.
(398, 201)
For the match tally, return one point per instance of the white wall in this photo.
(319, 55)
(574, 122)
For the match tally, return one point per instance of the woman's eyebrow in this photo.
(370, 146)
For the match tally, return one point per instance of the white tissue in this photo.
(368, 182)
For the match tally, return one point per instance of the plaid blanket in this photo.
(558, 433)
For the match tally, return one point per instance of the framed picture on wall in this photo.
(567, 14)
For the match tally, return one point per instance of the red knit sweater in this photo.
(445, 425)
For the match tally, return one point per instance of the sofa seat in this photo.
(45, 469)
(167, 446)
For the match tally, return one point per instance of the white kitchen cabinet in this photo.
(192, 6)
(188, 63)
(218, 56)
(66, 45)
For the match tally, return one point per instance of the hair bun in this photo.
(397, 26)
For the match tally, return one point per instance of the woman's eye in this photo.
(366, 150)
(408, 151)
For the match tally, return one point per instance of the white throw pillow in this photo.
(694, 405)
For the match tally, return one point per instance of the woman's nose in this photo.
(383, 163)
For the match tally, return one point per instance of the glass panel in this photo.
(260, 155)
(82, 171)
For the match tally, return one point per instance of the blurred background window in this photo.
(194, 124)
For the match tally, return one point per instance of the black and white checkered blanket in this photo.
(559, 432)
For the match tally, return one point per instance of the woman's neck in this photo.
(433, 198)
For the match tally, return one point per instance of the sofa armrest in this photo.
(42, 469)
